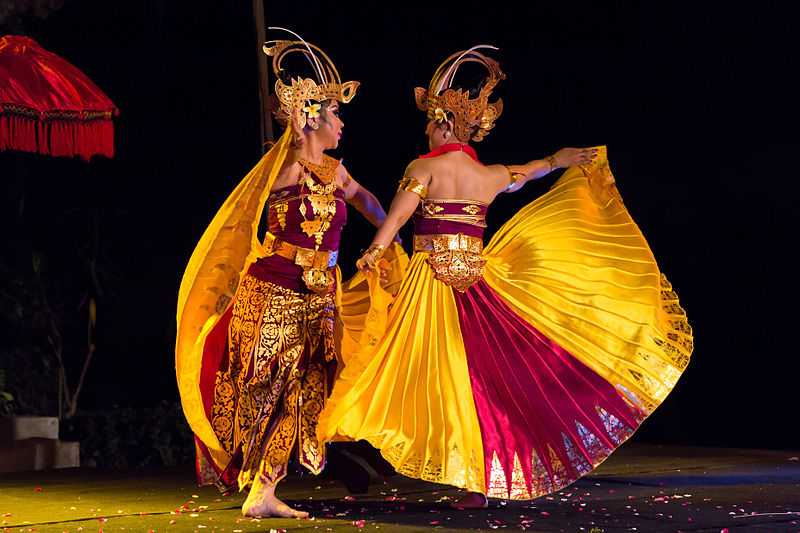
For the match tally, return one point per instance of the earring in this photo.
(447, 135)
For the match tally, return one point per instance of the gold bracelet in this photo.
(373, 254)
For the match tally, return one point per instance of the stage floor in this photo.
(640, 488)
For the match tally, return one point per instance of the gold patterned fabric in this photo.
(216, 273)
(471, 212)
(270, 393)
(454, 258)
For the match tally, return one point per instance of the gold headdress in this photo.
(472, 117)
(305, 94)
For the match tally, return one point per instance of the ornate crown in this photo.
(305, 94)
(472, 117)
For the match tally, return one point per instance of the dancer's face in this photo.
(329, 126)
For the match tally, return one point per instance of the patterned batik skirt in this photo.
(281, 359)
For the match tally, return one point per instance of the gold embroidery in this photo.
(460, 468)
(576, 458)
(448, 241)
(314, 393)
(540, 478)
(519, 489)
(559, 471)
(455, 259)
(498, 487)
(679, 342)
(410, 184)
(616, 430)
(431, 208)
(280, 443)
(275, 385)
(472, 210)
(322, 200)
(280, 210)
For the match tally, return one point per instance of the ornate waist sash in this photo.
(317, 265)
(455, 258)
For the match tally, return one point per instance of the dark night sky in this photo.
(695, 104)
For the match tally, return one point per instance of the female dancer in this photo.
(510, 370)
(256, 351)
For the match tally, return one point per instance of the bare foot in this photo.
(270, 506)
(471, 500)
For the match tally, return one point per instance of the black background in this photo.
(696, 104)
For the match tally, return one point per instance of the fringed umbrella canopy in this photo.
(50, 107)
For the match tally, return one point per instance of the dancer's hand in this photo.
(366, 263)
(363, 263)
(567, 157)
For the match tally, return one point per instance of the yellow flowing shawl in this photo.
(228, 246)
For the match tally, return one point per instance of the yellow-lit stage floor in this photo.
(640, 488)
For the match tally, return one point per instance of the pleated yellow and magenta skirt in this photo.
(516, 369)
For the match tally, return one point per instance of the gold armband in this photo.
(412, 185)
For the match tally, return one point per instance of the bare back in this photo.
(455, 175)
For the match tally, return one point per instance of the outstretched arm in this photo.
(519, 175)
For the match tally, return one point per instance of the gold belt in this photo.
(305, 257)
(448, 242)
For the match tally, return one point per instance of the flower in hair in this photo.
(312, 110)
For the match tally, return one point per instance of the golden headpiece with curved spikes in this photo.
(472, 117)
(304, 94)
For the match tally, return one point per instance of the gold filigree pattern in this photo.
(459, 270)
(472, 212)
(325, 171)
(540, 478)
(301, 92)
(591, 443)
(519, 488)
(455, 259)
(316, 391)
(498, 486)
(275, 384)
(431, 209)
(459, 468)
(281, 209)
(471, 209)
(321, 197)
(576, 458)
(679, 342)
(473, 118)
(615, 429)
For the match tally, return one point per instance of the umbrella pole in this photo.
(267, 134)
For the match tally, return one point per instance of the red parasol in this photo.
(49, 106)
